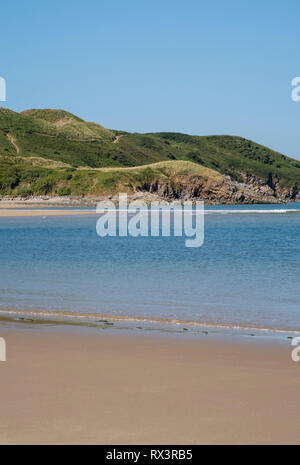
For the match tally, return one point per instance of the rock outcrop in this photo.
(221, 190)
(224, 190)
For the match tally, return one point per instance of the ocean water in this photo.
(247, 273)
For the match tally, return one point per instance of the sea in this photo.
(245, 275)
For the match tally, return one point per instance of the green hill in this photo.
(45, 151)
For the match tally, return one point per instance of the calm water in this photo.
(247, 271)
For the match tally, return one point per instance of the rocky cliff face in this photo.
(223, 190)
(219, 190)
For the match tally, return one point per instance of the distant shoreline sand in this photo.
(4, 213)
(68, 387)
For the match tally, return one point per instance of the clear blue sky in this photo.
(201, 67)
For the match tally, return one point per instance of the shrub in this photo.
(64, 190)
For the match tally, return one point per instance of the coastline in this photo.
(87, 378)
(92, 201)
(15, 210)
(5, 213)
(133, 324)
(70, 387)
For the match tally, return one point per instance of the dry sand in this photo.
(80, 388)
(8, 213)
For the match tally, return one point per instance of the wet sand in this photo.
(63, 387)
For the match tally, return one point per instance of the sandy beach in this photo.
(63, 387)
(14, 213)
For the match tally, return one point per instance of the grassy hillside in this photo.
(44, 151)
(23, 176)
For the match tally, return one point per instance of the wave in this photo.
(239, 211)
(85, 319)
(211, 211)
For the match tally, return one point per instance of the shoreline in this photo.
(145, 325)
(145, 390)
(6, 213)
(92, 201)
(58, 211)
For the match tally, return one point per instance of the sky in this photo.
(198, 67)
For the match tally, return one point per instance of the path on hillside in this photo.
(117, 138)
(13, 142)
(186, 166)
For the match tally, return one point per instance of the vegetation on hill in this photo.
(20, 177)
(55, 152)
